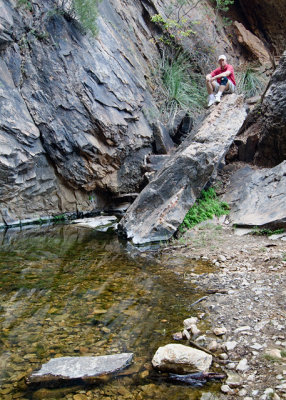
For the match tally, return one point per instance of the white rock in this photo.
(225, 389)
(233, 379)
(242, 365)
(189, 322)
(230, 345)
(181, 359)
(222, 258)
(220, 331)
(242, 328)
(257, 346)
(242, 392)
(273, 353)
(213, 345)
(194, 329)
(186, 334)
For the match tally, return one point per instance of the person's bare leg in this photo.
(221, 89)
(211, 91)
(210, 87)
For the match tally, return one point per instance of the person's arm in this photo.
(223, 74)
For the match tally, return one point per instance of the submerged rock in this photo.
(76, 368)
(178, 358)
(100, 223)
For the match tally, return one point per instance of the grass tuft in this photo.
(250, 82)
(206, 207)
(183, 89)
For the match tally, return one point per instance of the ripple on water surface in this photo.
(69, 291)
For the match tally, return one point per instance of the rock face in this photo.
(70, 368)
(73, 109)
(251, 42)
(258, 197)
(178, 358)
(77, 113)
(265, 18)
(262, 138)
(161, 206)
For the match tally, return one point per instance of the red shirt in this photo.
(218, 71)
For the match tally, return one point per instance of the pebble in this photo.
(242, 365)
(189, 322)
(242, 392)
(273, 353)
(226, 389)
(242, 328)
(213, 345)
(220, 331)
(230, 345)
(233, 379)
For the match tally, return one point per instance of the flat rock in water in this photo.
(72, 368)
(96, 222)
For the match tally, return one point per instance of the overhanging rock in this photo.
(162, 205)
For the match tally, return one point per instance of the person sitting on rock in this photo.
(219, 80)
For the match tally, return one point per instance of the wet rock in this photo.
(72, 368)
(96, 222)
(189, 322)
(178, 358)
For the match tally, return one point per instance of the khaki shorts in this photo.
(231, 87)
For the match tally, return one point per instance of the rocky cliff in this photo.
(76, 111)
(79, 114)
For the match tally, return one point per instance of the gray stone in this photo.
(161, 206)
(96, 222)
(69, 368)
(178, 358)
(242, 366)
(233, 379)
(258, 197)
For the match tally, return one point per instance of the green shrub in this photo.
(266, 232)
(250, 82)
(87, 13)
(206, 207)
(183, 89)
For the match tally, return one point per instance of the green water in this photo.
(70, 291)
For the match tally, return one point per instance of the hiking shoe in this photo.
(211, 102)
(217, 98)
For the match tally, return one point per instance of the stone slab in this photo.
(71, 368)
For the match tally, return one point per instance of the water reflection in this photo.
(69, 291)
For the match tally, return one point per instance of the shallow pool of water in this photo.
(70, 291)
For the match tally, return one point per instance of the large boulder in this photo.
(162, 205)
(258, 197)
(262, 138)
(181, 359)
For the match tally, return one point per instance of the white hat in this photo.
(222, 57)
